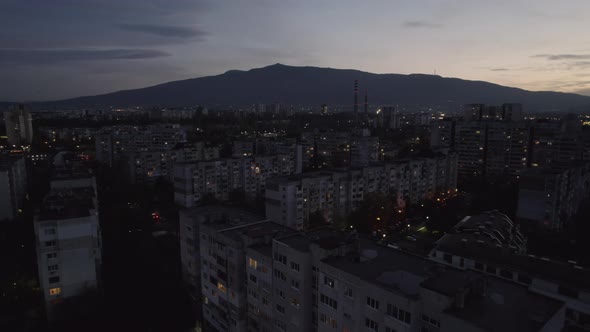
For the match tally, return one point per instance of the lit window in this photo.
(252, 263)
(221, 287)
(55, 291)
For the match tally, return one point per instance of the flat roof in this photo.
(564, 273)
(506, 306)
(392, 269)
(325, 237)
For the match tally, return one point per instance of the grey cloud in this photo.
(52, 56)
(164, 30)
(563, 56)
(421, 24)
(499, 69)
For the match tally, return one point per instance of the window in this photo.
(448, 258)
(279, 274)
(478, 266)
(295, 284)
(281, 325)
(280, 308)
(52, 267)
(295, 266)
(252, 293)
(252, 263)
(329, 281)
(328, 301)
(281, 294)
(281, 258)
(328, 320)
(506, 273)
(51, 243)
(371, 302)
(295, 302)
(55, 291)
(222, 287)
(53, 280)
(52, 255)
(348, 291)
(430, 321)
(398, 313)
(49, 231)
(371, 324)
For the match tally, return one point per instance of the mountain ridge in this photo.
(308, 85)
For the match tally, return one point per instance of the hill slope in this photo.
(314, 86)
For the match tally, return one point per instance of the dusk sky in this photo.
(52, 49)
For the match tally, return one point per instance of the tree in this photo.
(375, 212)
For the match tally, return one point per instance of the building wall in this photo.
(6, 198)
(69, 250)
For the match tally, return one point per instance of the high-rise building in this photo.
(220, 178)
(292, 200)
(256, 276)
(69, 242)
(356, 99)
(13, 185)
(19, 126)
(550, 196)
(487, 141)
(492, 244)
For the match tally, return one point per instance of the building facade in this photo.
(69, 246)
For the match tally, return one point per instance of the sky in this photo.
(55, 49)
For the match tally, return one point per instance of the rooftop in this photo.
(325, 237)
(67, 204)
(504, 306)
(388, 268)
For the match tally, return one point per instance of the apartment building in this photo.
(115, 144)
(282, 278)
(291, 200)
(13, 185)
(69, 244)
(223, 270)
(550, 196)
(491, 244)
(383, 289)
(19, 126)
(195, 181)
(256, 275)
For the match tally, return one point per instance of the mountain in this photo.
(315, 86)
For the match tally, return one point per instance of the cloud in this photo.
(165, 30)
(52, 56)
(563, 56)
(420, 24)
(499, 69)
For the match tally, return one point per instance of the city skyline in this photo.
(92, 48)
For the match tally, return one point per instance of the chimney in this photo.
(366, 103)
(356, 98)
